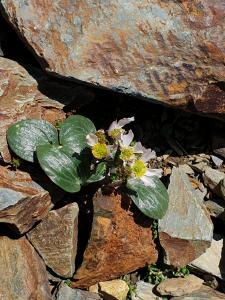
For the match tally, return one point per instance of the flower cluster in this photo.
(127, 160)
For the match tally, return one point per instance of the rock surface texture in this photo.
(23, 202)
(170, 51)
(55, 239)
(20, 99)
(23, 274)
(204, 293)
(179, 286)
(120, 241)
(186, 228)
(116, 289)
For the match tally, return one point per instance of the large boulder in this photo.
(55, 239)
(22, 272)
(120, 242)
(23, 201)
(170, 51)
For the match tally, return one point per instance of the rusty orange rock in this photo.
(120, 242)
(172, 52)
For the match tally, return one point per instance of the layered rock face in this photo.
(170, 51)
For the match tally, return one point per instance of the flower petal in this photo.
(148, 181)
(148, 154)
(125, 121)
(154, 172)
(126, 139)
(138, 148)
(113, 126)
(91, 139)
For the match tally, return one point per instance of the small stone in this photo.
(212, 261)
(64, 292)
(93, 288)
(213, 179)
(120, 241)
(179, 286)
(217, 161)
(115, 289)
(204, 293)
(216, 208)
(186, 227)
(55, 239)
(200, 167)
(23, 202)
(144, 291)
(22, 271)
(186, 169)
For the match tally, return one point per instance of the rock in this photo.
(22, 272)
(116, 289)
(200, 167)
(121, 232)
(186, 228)
(204, 293)
(20, 99)
(217, 161)
(144, 291)
(216, 208)
(170, 51)
(23, 202)
(212, 261)
(55, 239)
(64, 292)
(186, 169)
(213, 179)
(179, 286)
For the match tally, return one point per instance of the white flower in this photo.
(91, 139)
(115, 129)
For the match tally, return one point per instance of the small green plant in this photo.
(76, 154)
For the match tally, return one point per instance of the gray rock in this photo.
(216, 208)
(55, 238)
(23, 202)
(217, 161)
(204, 293)
(213, 179)
(171, 51)
(22, 272)
(212, 261)
(144, 291)
(186, 228)
(186, 169)
(64, 292)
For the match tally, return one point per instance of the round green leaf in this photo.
(153, 202)
(59, 166)
(74, 131)
(98, 174)
(23, 137)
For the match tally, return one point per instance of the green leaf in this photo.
(153, 202)
(23, 137)
(74, 131)
(98, 174)
(59, 166)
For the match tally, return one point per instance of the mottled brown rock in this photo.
(20, 99)
(55, 239)
(170, 51)
(23, 201)
(22, 272)
(204, 293)
(186, 228)
(120, 241)
(179, 286)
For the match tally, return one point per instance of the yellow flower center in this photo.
(115, 133)
(139, 168)
(126, 153)
(100, 151)
(101, 136)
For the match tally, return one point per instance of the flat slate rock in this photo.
(170, 51)
(186, 228)
(55, 239)
(23, 201)
(22, 272)
(204, 293)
